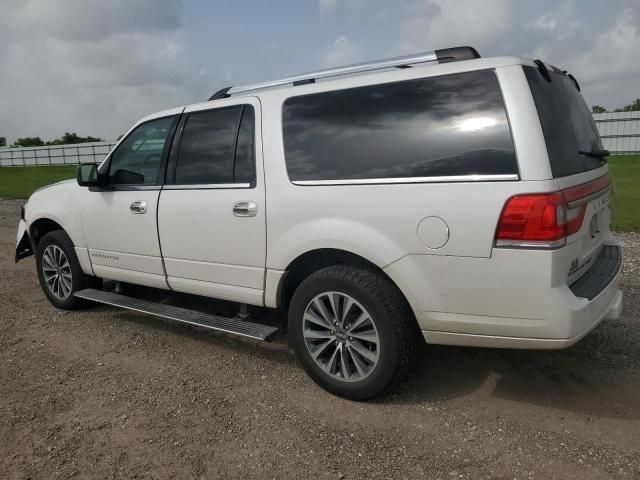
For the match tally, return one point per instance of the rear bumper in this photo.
(492, 341)
(515, 299)
(605, 268)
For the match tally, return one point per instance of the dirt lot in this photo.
(109, 394)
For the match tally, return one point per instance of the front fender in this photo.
(60, 203)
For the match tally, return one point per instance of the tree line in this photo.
(66, 139)
(632, 107)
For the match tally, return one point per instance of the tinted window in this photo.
(244, 170)
(567, 123)
(449, 125)
(137, 159)
(207, 148)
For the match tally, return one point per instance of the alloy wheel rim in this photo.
(341, 336)
(57, 272)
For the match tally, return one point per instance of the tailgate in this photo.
(588, 205)
(577, 161)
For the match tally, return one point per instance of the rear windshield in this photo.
(566, 122)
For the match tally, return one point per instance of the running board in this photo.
(234, 326)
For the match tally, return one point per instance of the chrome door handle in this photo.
(138, 207)
(245, 209)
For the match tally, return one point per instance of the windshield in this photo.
(567, 123)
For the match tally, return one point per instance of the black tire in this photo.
(79, 280)
(390, 313)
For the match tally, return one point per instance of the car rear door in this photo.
(211, 214)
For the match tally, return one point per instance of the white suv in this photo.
(446, 196)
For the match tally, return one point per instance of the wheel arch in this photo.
(307, 263)
(40, 227)
(43, 225)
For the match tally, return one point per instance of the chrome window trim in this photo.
(123, 187)
(435, 179)
(208, 186)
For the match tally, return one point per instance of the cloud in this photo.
(612, 52)
(343, 52)
(92, 19)
(608, 69)
(354, 6)
(438, 24)
(96, 66)
(591, 39)
(93, 67)
(547, 23)
(326, 6)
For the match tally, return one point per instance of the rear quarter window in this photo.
(449, 125)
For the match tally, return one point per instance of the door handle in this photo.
(138, 207)
(245, 209)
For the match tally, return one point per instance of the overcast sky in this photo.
(96, 66)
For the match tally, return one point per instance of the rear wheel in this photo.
(59, 271)
(352, 330)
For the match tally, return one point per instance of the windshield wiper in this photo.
(596, 153)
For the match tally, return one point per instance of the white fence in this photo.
(620, 131)
(55, 154)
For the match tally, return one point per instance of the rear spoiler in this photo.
(544, 71)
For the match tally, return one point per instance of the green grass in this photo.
(20, 182)
(625, 171)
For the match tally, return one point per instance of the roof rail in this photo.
(440, 56)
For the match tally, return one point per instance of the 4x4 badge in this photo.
(574, 265)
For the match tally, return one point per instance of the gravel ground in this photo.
(104, 393)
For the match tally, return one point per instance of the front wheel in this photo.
(352, 330)
(59, 270)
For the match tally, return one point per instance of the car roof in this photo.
(349, 80)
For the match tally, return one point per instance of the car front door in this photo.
(211, 213)
(119, 219)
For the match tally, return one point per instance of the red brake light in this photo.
(532, 220)
(546, 219)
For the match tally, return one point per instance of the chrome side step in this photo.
(235, 326)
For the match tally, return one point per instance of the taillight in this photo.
(575, 216)
(545, 220)
(534, 220)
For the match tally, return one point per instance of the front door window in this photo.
(137, 159)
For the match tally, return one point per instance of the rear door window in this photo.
(244, 168)
(567, 123)
(449, 125)
(217, 146)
